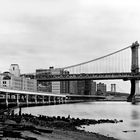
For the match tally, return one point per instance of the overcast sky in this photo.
(42, 33)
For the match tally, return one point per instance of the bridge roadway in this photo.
(10, 98)
(88, 76)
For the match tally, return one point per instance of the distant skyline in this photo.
(42, 33)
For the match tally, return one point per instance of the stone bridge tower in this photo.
(134, 70)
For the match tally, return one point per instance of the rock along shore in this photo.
(29, 127)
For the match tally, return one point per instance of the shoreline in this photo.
(27, 126)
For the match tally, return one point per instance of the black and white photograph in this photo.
(69, 70)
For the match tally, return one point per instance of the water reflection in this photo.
(135, 118)
(135, 115)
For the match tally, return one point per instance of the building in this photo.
(93, 88)
(64, 85)
(80, 87)
(44, 86)
(13, 80)
(29, 84)
(56, 87)
(84, 87)
(14, 69)
(10, 81)
(101, 88)
(16, 83)
(55, 84)
(113, 87)
(88, 85)
(73, 87)
(5, 80)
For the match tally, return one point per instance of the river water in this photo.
(130, 114)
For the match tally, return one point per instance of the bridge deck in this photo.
(88, 76)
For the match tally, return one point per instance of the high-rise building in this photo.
(113, 87)
(81, 87)
(93, 88)
(101, 88)
(64, 86)
(84, 87)
(88, 86)
(73, 87)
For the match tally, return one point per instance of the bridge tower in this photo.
(134, 70)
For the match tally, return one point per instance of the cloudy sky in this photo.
(42, 33)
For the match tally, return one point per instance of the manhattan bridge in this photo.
(119, 65)
(122, 64)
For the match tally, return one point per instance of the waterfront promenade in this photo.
(13, 98)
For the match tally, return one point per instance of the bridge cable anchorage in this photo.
(76, 65)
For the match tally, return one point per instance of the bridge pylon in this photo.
(134, 70)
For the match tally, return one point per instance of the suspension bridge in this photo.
(122, 64)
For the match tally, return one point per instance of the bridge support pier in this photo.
(27, 99)
(61, 100)
(54, 100)
(43, 99)
(134, 70)
(137, 87)
(132, 92)
(49, 101)
(6, 99)
(35, 97)
(136, 97)
(17, 98)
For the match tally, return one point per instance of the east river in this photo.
(130, 114)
